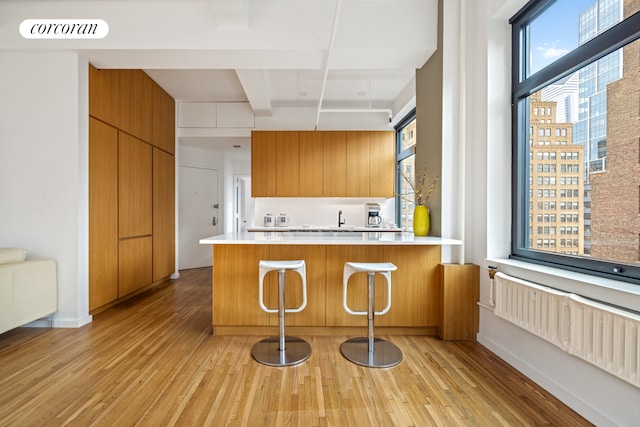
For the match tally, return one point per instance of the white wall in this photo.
(598, 396)
(44, 169)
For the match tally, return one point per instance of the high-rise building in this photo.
(615, 192)
(556, 205)
(564, 93)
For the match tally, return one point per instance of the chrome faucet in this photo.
(340, 220)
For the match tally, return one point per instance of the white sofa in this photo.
(28, 288)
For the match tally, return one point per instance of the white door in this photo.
(244, 204)
(198, 215)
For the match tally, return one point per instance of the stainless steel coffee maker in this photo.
(372, 215)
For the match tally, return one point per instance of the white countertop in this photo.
(319, 228)
(326, 238)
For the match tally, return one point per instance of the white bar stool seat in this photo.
(369, 351)
(282, 350)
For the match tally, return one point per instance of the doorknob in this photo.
(214, 221)
(216, 205)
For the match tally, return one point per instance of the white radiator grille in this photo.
(605, 336)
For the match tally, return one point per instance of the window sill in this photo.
(621, 294)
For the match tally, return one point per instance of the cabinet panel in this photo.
(334, 164)
(235, 285)
(459, 294)
(314, 312)
(382, 152)
(163, 214)
(134, 186)
(135, 264)
(263, 161)
(357, 295)
(103, 213)
(358, 160)
(103, 91)
(414, 297)
(311, 162)
(164, 118)
(135, 99)
(287, 164)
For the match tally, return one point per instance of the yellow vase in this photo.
(421, 221)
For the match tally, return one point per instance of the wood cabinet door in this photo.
(163, 214)
(334, 164)
(383, 164)
(287, 164)
(235, 285)
(134, 186)
(164, 120)
(314, 258)
(311, 164)
(415, 293)
(263, 164)
(135, 100)
(103, 95)
(103, 213)
(135, 264)
(358, 162)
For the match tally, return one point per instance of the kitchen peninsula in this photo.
(419, 302)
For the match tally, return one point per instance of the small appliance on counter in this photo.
(283, 220)
(269, 220)
(372, 215)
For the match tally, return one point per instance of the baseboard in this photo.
(584, 409)
(72, 323)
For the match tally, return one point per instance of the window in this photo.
(574, 62)
(405, 157)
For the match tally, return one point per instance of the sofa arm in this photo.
(34, 290)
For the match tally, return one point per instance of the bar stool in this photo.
(282, 350)
(369, 351)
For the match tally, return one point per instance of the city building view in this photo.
(585, 151)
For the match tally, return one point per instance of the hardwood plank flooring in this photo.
(153, 361)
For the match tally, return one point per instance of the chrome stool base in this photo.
(268, 351)
(384, 354)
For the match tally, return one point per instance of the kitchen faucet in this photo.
(340, 220)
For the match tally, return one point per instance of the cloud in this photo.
(549, 50)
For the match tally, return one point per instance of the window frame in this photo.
(616, 37)
(400, 156)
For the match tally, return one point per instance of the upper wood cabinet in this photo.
(323, 163)
(287, 148)
(311, 164)
(263, 164)
(164, 119)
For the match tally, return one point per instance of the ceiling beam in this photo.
(255, 88)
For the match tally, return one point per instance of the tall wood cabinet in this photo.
(131, 184)
(322, 163)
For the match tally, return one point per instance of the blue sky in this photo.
(554, 33)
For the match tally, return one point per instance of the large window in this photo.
(406, 155)
(576, 135)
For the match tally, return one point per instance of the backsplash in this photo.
(323, 212)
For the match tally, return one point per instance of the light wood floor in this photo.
(153, 361)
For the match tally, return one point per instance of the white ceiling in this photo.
(271, 53)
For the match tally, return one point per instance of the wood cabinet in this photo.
(358, 163)
(134, 264)
(459, 295)
(263, 161)
(322, 163)
(103, 213)
(131, 184)
(311, 164)
(135, 197)
(164, 218)
(287, 148)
